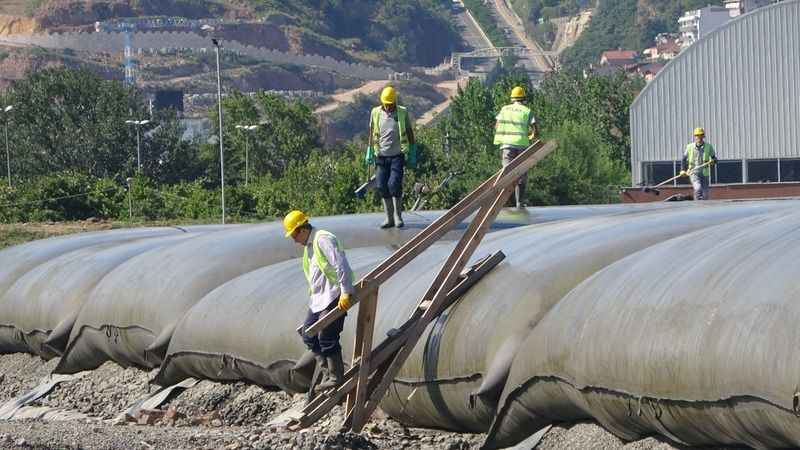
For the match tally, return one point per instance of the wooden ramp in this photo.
(373, 369)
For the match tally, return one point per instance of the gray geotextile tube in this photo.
(130, 316)
(244, 330)
(694, 339)
(41, 307)
(18, 260)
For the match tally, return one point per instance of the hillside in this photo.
(419, 31)
(629, 24)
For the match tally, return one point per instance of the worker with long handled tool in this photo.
(330, 282)
(513, 131)
(698, 159)
(391, 148)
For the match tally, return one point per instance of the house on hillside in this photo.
(667, 46)
(618, 58)
(650, 70)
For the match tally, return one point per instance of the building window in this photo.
(654, 172)
(762, 171)
(790, 170)
(727, 172)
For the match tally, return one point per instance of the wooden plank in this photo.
(358, 345)
(356, 400)
(464, 249)
(329, 402)
(488, 190)
(387, 349)
(384, 353)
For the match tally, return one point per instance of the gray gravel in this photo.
(241, 411)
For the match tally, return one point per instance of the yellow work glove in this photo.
(711, 162)
(684, 173)
(344, 302)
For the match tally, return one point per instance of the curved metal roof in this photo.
(740, 82)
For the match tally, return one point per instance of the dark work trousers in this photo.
(326, 343)
(389, 175)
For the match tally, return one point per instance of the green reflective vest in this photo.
(402, 121)
(319, 257)
(512, 125)
(708, 152)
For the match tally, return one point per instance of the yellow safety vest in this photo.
(512, 125)
(320, 259)
(402, 121)
(708, 150)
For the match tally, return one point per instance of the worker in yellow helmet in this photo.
(391, 148)
(514, 128)
(330, 282)
(698, 157)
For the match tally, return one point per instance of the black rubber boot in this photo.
(335, 371)
(397, 202)
(388, 208)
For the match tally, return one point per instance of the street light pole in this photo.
(221, 148)
(130, 200)
(247, 128)
(138, 123)
(138, 151)
(7, 110)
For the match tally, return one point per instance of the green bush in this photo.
(61, 196)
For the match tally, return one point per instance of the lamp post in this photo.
(249, 129)
(221, 148)
(138, 123)
(5, 111)
(130, 199)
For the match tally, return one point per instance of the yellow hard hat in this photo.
(517, 93)
(699, 131)
(293, 220)
(388, 96)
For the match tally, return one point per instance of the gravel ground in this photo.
(230, 417)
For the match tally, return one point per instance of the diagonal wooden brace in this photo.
(446, 278)
(323, 403)
(484, 194)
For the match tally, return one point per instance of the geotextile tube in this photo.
(694, 339)
(245, 330)
(16, 261)
(130, 316)
(41, 307)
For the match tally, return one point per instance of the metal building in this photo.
(742, 84)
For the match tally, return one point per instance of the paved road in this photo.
(508, 20)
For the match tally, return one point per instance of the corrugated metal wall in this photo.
(742, 83)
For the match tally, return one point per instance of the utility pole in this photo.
(221, 148)
(138, 123)
(130, 199)
(5, 111)
(249, 129)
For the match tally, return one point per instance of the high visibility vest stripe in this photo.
(512, 125)
(402, 122)
(320, 259)
(708, 150)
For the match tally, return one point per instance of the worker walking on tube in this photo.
(330, 281)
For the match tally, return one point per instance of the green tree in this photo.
(67, 119)
(287, 131)
(601, 101)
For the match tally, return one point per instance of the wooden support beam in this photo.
(422, 241)
(384, 353)
(373, 372)
(447, 275)
(366, 324)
